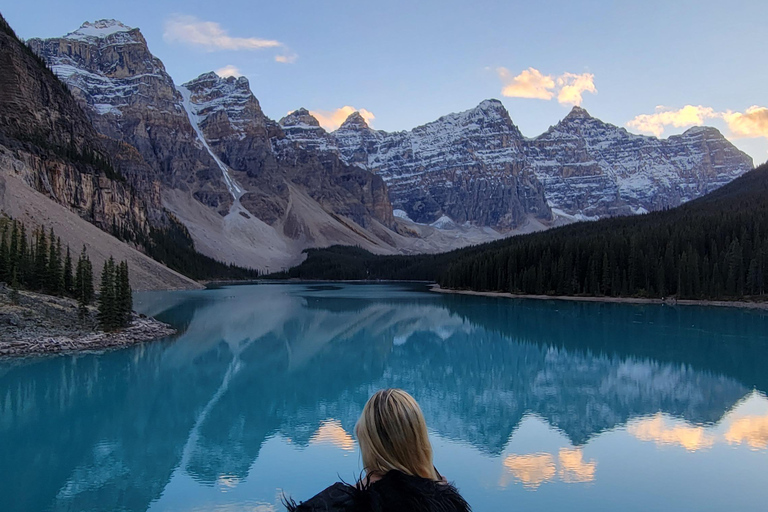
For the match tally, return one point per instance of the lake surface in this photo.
(532, 405)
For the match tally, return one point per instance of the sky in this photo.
(653, 67)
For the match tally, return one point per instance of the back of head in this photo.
(393, 435)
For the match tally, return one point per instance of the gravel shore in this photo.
(623, 300)
(43, 324)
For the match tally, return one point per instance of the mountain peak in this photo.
(98, 29)
(578, 112)
(355, 121)
(300, 118)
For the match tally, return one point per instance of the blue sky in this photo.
(408, 62)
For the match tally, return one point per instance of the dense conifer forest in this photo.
(37, 262)
(715, 247)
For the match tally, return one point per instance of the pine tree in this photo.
(83, 283)
(68, 277)
(108, 311)
(124, 297)
(41, 261)
(5, 259)
(23, 261)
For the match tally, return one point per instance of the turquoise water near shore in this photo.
(531, 404)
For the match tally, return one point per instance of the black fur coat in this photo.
(395, 492)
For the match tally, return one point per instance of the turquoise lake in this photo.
(532, 405)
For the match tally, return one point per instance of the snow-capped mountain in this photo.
(594, 169)
(256, 192)
(130, 97)
(469, 167)
(463, 165)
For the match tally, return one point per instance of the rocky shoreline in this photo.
(35, 324)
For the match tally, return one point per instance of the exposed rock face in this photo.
(476, 166)
(267, 164)
(130, 97)
(48, 141)
(594, 169)
(468, 166)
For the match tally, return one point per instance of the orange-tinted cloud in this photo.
(752, 123)
(528, 84)
(572, 87)
(573, 469)
(210, 35)
(332, 119)
(752, 430)
(689, 115)
(658, 430)
(532, 83)
(229, 70)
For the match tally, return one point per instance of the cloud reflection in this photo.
(531, 470)
(752, 430)
(573, 468)
(664, 432)
(331, 432)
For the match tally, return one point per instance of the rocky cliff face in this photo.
(468, 166)
(594, 169)
(267, 164)
(48, 141)
(130, 97)
(476, 166)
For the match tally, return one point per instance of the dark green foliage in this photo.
(173, 246)
(68, 277)
(714, 247)
(123, 294)
(108, 313)
(115, 302)
(83, 284)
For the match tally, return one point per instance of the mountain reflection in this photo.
(297, 361)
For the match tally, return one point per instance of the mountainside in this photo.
(130, 97)
(593, 169)
(222, 170)
(469, 167)
(476, 166)
(256, 192)
(47, 140)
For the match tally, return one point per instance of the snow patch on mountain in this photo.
(191, 109)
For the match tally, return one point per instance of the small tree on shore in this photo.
(108, 312)
(124, 297)
(83, 283)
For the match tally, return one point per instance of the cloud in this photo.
(330, 120)
(689, 115)
(210, 35)
(287, 58)
(528, 84)
(531, 470)
(229, 70)
(572, 86)
(752, 123)
(532, 83)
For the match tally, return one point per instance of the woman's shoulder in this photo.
(405, 492)
(338, 497)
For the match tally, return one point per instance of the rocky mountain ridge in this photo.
(256, 192)
(582, 168)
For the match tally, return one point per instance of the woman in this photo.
(397, 460)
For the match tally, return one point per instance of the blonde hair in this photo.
(393, 435)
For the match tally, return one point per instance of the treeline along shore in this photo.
(714, 248)
(48, 302)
